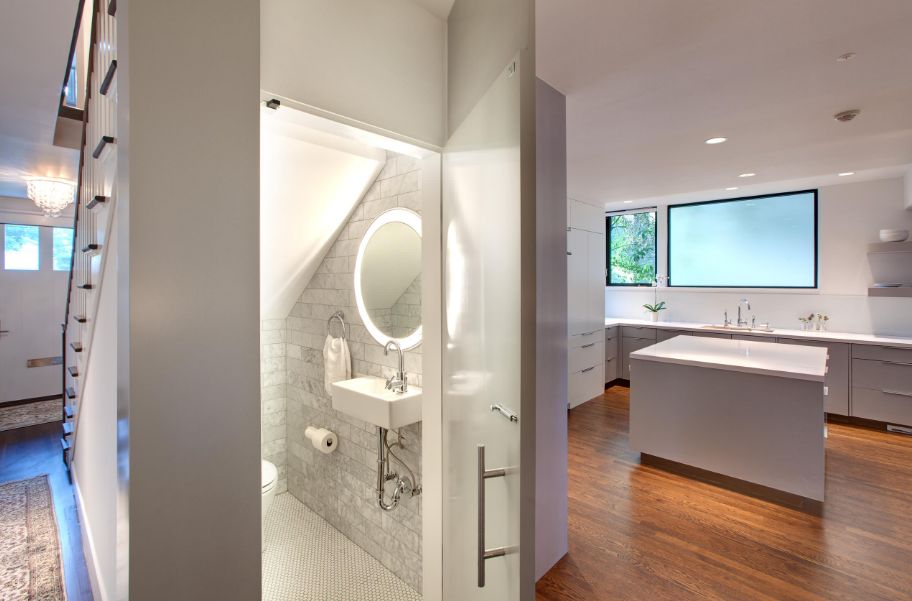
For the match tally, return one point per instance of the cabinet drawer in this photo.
(578, 340)
(712, 335)
(630, 345)
(586, 384)
(581, 357)
(882, 375)
(644, 332)
(882, 353)
(667, 334)
(882, 406)
(611, 370)
(611, 333)
(837, 376)
(753, 338)
(611, 348)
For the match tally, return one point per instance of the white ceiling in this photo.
(648, 82)
(34, 43)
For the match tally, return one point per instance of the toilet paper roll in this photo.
(322, 439)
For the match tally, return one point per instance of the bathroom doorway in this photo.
(350, 274)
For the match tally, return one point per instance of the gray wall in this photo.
(340, 486)
(188, 353)
(551, 376)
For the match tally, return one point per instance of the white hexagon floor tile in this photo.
(306, 559)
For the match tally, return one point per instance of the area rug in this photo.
(30, 567)
(31, 414)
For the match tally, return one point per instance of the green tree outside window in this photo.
(632, 253)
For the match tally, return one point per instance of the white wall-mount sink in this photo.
(368, 399)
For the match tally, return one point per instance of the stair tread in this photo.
(85, 286)
(67, 429)
(69, 411)
(71, 392)
(74, 371)
(76, 346)
(109, 76)
(90, 248)
(80, 318)
(65, 443)
(105, 140)
(99, 199)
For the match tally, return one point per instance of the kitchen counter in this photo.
(747, 356)
(891, 341)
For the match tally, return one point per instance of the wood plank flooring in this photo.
(35, 450)
(637, 532)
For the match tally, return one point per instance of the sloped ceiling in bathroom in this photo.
(310, 181)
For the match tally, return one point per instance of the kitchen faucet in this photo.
(398, 382)
(743, 322)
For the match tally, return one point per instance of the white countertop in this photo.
(821, 336)
(748, 356)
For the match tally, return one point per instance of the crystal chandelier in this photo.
(51, 194)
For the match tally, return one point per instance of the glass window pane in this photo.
(63, 248)
(632, 248)
(758, 242)
(20, 248)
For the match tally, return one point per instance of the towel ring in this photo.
(337, 316)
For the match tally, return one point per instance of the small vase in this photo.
(655, 315)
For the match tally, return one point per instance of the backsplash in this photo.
(340, 486)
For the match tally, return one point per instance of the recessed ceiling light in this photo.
(747, 175)
(732, 188)
(844, 58)
(627, 202)
(845, 173)
(716, 140)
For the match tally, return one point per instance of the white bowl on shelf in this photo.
(894, 235)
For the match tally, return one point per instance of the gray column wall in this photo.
(188, 312)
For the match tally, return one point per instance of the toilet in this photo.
(270, 479)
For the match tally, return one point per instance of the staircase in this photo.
(94, 215)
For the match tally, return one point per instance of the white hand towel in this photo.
(336, 362)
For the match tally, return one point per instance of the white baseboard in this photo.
(88, 546)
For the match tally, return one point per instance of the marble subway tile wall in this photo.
(272, 395)
(340, 486)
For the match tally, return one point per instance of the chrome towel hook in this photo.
(340, 316)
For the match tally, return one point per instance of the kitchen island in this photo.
(751, 412)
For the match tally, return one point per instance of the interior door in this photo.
(482, 361)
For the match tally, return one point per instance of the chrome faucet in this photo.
(398, 382)
(742, 323)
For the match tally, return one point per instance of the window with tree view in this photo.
(631, 248)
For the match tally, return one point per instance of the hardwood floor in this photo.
(35, 450)
(637, 532)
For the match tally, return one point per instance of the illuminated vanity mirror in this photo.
(388, 278)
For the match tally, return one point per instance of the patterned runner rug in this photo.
(30, 566)
(32, 414)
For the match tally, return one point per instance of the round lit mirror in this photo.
(388, 278)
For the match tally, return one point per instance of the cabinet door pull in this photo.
(897, 363)
(590, 345)
(897, 393)
(589, 333)
(587, 369)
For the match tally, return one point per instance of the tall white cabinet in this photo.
(585, 301)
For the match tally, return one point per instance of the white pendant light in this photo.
(51, 194)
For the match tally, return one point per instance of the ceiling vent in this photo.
(845, 116)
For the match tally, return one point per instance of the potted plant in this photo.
(654, 309)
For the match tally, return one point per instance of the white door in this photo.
(578, 305)
(595, 272)
(482, 362)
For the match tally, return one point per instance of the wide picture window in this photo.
(757, 242)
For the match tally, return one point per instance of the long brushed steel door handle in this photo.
(588, 345)
(483, 553)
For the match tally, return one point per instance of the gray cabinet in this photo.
(882, 383)
(629, 345)
(662, 334)
(612, 342)
(712, 335)
(837, 377)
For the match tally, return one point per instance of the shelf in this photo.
(901, 292)
(890, 247)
